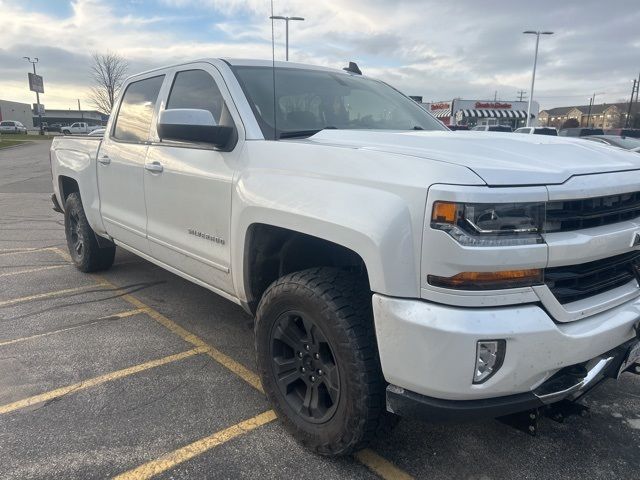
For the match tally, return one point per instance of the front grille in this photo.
(567, 215)
(575, 282)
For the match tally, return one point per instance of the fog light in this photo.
(489, 358)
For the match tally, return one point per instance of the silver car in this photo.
(12, 126)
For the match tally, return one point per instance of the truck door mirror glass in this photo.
(193, 125)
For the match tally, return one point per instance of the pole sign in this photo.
(38, 109)
(36, 83)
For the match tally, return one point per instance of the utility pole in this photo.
(286, 21)
(537, 33)
(633, 92)
(590, 105)
(33, 62)
(521, 94)
(80, 110)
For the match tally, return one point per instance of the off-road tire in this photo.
(339, 302)
(89, 257)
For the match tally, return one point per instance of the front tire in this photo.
(85, 252)
(318, 359)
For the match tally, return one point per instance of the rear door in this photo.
(189, 200)
(121, 164)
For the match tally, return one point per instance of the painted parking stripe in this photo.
(128, 313)
(381, 466)
(56, 293)
(95, 381)
(370, 459)
(16, 251)
(172, 459)
(31, 270)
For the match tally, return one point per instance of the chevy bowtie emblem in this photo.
(636, 240)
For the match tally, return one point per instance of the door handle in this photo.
(104, 160)
(155, 167)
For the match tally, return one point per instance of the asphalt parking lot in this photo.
(136, 372)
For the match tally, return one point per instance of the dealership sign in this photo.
(36, 84)
(439, 106)
(493, 105)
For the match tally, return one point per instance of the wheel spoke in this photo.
(286, 376)
(288, 335)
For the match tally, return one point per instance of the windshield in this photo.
(311, 100)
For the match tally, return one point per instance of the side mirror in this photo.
(193, 125)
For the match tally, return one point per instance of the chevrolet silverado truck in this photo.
(394, 267)
(78, 128)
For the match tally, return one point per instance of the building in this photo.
(612, 115)
(20, 112)
(67, 117)
(482, 112)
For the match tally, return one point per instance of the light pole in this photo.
(286, 21)
(33, 62)
(537, 33)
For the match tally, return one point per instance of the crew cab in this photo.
(78, 128)
(393, 267)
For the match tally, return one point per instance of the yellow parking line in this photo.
(370, 459)
(128, 313)
(381, 466)
(31, 270)
(15, 251)
(196, 448)
(55, 293)
(92, 382)
(240, 370)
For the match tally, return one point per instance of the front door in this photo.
(188, 186)
(121, 165)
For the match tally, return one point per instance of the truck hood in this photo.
(498, 158)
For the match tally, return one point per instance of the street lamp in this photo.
(286, 20)
(33, 62)
(537, 33)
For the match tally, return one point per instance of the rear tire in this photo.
(85, 252)
(318, 359)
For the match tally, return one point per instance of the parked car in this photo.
(620, 142)
(538, 131)
(493, 128)
(458, 127)
(580, 132)
(390, 265)
(78, 128)
(12, 126)
(623, 132)
(97, 132)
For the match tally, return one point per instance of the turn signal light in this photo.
(444, 212)
(489, 280)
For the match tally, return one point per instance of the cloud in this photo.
(436, 49)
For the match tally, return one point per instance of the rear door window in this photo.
(136, 110)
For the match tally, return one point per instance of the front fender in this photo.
(378, 225)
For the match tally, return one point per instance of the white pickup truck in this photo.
(78, 128)
(391, 265)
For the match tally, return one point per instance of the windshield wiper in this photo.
(303, 133)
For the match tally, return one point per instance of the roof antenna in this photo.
(353, 68)
(273, 70)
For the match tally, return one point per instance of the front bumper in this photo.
(569, 383)
(429, 349)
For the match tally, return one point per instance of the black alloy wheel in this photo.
(77, 237)
(304, 367)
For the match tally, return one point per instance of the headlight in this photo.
(490, 224)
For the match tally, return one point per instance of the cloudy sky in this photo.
(438, 49)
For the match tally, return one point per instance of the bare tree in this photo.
(108, 72)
